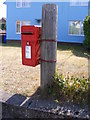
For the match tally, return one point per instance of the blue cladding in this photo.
(89, 7)
(65, 14)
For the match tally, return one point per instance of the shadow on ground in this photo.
(11, 44)
(77, 49)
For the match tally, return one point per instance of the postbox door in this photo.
(28, 50)
(30, 45)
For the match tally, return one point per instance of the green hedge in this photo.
(87, 32)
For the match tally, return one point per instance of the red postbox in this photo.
(30, 36)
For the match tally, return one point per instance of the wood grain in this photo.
(48, 49)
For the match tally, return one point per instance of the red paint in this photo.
(30, 36)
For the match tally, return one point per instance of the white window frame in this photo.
(21, 25)
(21, 4)
(80, 28)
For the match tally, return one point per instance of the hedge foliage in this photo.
(87, 32)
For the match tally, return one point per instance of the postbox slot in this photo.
(28, 33)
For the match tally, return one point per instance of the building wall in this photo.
(32, 13)
(89, 7)
(65, 13)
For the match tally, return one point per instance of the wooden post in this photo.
(48, 46)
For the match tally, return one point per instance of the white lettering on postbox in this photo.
(28, 52)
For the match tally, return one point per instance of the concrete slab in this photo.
(13, 99)
(18, 106)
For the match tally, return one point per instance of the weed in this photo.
(70, 88)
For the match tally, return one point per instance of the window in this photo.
(76, 28)
(19, 24)
(79, 2)
(18, 3)
(22, 3)
(25, 3)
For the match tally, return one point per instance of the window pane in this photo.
(79, 2)
(25, 3)
(74, 27)
(82, 31)
(18, 27)
(18, 3)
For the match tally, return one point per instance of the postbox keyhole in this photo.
(27, 43)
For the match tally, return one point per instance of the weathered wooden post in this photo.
(48, 44)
